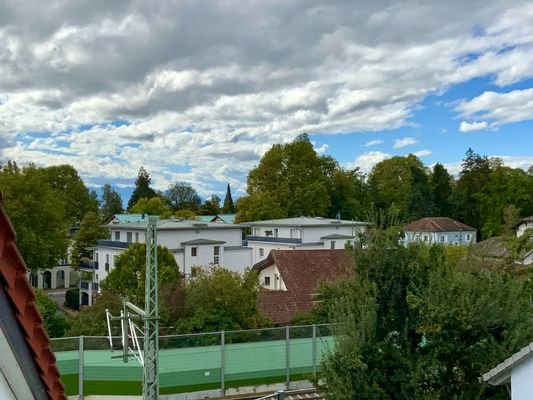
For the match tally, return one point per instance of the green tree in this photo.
(420, 199)
(142, 188)
(441, 186)
(219, 299)
(473, 177)
(128, 276)
(390, 183)
(111, 203)
(154, 206)
(37, 212)
(210, 206)
(292, 178)
(182, 196)
(78, 199)
(348, 194)
(228, 207)
(55, 322)
(89, 232)
(91, 321)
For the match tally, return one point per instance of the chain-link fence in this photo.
(194, 362)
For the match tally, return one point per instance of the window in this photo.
(96, 277)
(276, 231)
(115, 259)
(417, 238)
(468, 237)
(268, 233)
(194, 251)
(332, 244)
(216, 255)
(129, 237)
(267, 281)
(442, 239)
(136, 236)
(261, 252)
(95, 256)
(426, 238)
(107, 262)
(117, 235)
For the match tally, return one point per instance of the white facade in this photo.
(303, 233)
(454, 238)
(192, 243)
(522, 380)
(270, 278)
(523, 225)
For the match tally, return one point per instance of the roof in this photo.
(226, 218)
(301, 271)
(337, 236)
(502, 372)
(437, 224)
(524, 221)
(127, 218)
(21, 319)
(305, 221)
(492, 247)
(201, 242)
(174, 224)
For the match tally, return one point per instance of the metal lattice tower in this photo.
(151, 316)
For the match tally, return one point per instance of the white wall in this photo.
(313, 234)
(522, 380)
(276, 282)
(238, 260)
(522, 228)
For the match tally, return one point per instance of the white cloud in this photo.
(367, 160)
(373, 143)
(472, 126)
(403, 142)
(500, 108)
(206, 107)
(423, 153)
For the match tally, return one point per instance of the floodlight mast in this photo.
(151, 316)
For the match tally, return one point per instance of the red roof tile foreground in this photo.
(14, 282)
(437, 224)
(302, 272)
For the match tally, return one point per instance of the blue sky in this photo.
(199, 90)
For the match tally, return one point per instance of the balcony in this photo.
(86, 285)
(88, 265)
(272, 239)
(113, 243)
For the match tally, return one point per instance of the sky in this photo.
(199, 90)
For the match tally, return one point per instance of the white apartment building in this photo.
(301, 233)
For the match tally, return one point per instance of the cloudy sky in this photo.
(198, 90)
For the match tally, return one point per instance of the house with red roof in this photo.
(290, 280)
(441, 230)
(27, 363)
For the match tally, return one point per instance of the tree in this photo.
(390, 183)
(89, 232)
(182, 196)
(78, 199)
(292, 178)
(91, 321)
(348, 194)
(37, 212)
(473, 177)
(413, 325)
(142, 188)
(441, 187)
(228, 207)
(219, 299)
(420, 199)
(55, 323)
(111, 203)
(128, 276)
(211, 206)
(154, 206)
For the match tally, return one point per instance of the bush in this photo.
(72, 298)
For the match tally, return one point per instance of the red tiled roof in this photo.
(301, 271)
(13, 277)
(437, 224)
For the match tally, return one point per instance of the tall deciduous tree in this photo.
(420, 199)
(111, 203)
(182, 196)
(38, 214)
(78, 199)
(154, 206)
(210, 206)
(142, 188)
(348, 194)
(228, 207)
(89, 232)
(441, 186)
(293, 178)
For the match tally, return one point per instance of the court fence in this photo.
(196, 362)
